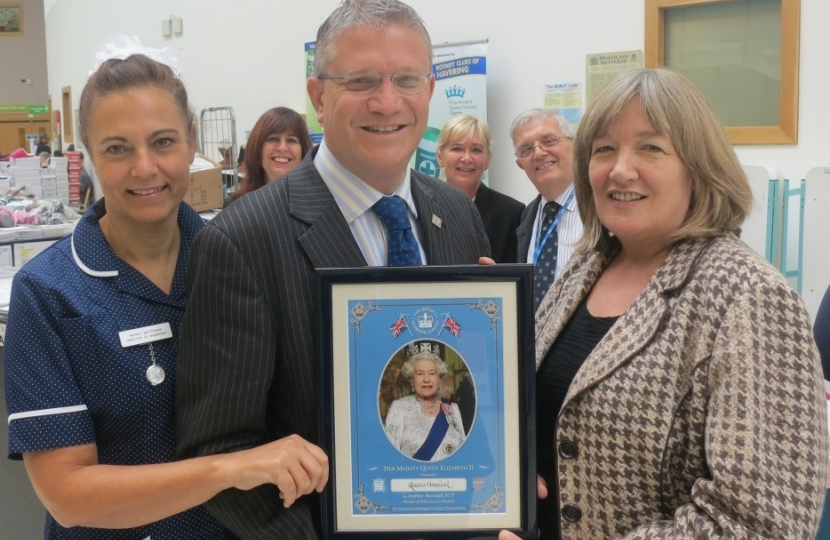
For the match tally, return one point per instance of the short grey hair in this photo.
(372, 13)
(538, 114)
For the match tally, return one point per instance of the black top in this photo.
(821, 330)
(579, 337)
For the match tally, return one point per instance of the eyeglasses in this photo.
(406, 81)
(546, 143)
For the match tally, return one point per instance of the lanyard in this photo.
(541, 243)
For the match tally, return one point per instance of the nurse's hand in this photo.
(542, 493)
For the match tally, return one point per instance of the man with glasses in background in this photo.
(247, 371)
(550, 225)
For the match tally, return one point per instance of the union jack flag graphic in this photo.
(452, 325)
(398, 327)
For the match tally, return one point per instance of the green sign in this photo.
(31, 109)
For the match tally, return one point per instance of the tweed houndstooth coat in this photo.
(701, 414)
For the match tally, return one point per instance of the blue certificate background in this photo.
(375, 461)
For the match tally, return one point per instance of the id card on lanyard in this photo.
(540, 242)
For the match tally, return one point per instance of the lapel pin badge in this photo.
(436, 221)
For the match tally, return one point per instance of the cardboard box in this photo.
(26, 163)
(25, 174)
(74, 159)
(205, 191)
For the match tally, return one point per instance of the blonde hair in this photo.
(721, 197)
(461, 128)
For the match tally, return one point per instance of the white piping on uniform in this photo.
(88, 270)
(47, 412)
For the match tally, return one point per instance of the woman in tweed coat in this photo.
(682, 367)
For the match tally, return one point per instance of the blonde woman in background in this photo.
(464, 154)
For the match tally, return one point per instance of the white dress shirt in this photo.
(568, 230)
(355, 199)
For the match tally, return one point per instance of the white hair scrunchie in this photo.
(122, 46)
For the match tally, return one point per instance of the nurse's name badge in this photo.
(148, 335)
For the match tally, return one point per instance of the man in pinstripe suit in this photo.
(247, 373)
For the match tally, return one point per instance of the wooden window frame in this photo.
(68, 116)
(786, 132)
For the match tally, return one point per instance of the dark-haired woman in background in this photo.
(277, 144)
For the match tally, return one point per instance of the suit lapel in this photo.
(526, 228)
(430, 220)
(633, 330)
(557, 309)
(639, 324)
(328, 242)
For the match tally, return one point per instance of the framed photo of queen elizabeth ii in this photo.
(427, 392)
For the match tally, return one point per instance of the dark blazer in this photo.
(526, 229)
(247, 371)
(501, 216)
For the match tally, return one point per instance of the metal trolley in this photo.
(217, 140)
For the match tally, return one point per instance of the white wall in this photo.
(249, 55)
(23, 58)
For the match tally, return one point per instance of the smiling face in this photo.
(641, 188)
(550, 170)
(374, 134)
(280, 154)
(141, 149)
(425, 378)
(465, 162)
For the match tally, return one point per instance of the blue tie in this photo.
(545, 270)
(401, 246)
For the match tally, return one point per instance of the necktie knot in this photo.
(401, 245)
(391, 211)
(549, 213)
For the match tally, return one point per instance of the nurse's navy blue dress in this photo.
(69, 381)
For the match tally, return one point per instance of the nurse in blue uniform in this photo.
(91, 342)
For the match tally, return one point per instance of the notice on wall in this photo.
(601, 68)
(566, 99)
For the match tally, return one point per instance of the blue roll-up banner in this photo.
(460, 71)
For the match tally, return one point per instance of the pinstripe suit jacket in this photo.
(247, 369)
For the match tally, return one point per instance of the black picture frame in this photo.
(479, 320)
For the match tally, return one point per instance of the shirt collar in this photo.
(354, 196)
(562, 199)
